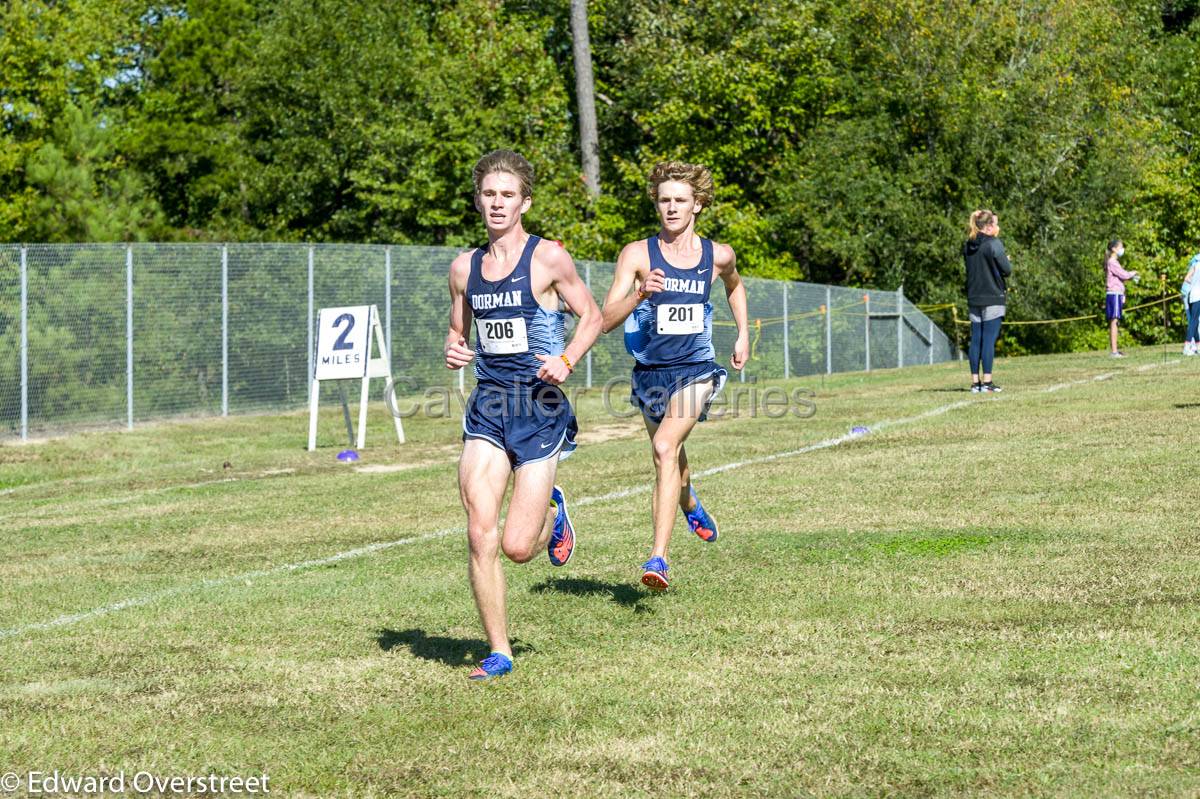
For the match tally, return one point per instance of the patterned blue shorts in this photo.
(653, 386)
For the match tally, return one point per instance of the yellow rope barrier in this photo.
(1049, 321)
(844, 310)
(1159, 301)
(776, 320)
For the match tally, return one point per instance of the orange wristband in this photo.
(567, 362)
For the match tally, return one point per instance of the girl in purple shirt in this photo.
(1114, 299)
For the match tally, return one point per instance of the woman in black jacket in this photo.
(987, 267)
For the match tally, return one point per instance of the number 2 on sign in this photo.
(341, 343)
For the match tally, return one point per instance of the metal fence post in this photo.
(587, 278)
(129, 334)
(867, 328)
(387, 299)
(900, 326)
(828, 330)
(787, 361)
(24, 348)
(310, 321)
(224, 330)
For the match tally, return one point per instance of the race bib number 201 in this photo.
(680, 320)
(502, 336)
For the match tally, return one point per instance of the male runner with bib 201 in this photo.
(518, 421)
(668, 330)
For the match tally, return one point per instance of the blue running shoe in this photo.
(494, 665)
(562, 539)
(701, 522)
(654, 574)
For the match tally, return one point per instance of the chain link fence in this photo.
(109, 334)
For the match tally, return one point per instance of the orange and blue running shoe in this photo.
(654, 574)
(702, 524)
(562, 539)
(494, 665)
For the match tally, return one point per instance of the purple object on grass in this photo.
(859, 431)
(347, 456)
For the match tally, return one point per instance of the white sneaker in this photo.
(1189, 348)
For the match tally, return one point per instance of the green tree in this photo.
(849, 141)
(54, 55)
(364, 121)
(733, 85)
(183, 123)
(85, 190)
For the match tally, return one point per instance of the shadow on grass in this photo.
(1186, 405)
(451, 651)
(960, 390)
(621, 593)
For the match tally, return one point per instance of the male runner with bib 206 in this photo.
(518, 421)
(668, 330)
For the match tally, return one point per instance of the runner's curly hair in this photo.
(697, 176)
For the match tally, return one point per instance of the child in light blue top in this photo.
(1191, 303)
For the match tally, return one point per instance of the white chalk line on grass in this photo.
(123, 500)
(108, 502)
(370, 549)
(148, 492)
(134, 602)
(1148, 366)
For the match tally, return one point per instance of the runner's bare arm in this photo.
(458, 353)
(735, 292)
(632, 266)
(575, 293)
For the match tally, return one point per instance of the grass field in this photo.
(985, 595)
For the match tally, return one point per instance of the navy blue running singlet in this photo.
(510, 327)
(674, 326)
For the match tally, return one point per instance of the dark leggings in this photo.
(1193, 321)
(983, 344)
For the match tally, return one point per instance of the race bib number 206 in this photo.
(502, 336)
(680, 320)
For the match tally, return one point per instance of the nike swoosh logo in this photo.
(515, 279)
(548, 443)
(702, 271)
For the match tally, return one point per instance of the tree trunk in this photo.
(589, 144)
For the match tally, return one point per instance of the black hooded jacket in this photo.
(987, 267)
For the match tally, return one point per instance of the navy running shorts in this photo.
(1114, 306)
(529, 423)
(653, 386)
